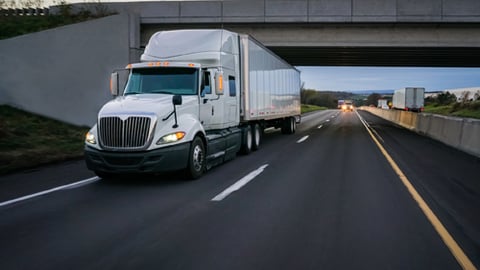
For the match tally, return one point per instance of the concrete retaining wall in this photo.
(64, 73)
(461, 133)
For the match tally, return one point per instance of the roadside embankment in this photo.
(461, 133)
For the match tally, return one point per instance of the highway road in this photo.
(326, 197)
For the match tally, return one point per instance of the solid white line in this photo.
(365, 123)
(76, 184)
(239, 184)
(304, 138)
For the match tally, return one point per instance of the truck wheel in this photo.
(289, 125)
(257, 136)
(196, 159)
(246, 140)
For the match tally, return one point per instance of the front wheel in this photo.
(196, 159)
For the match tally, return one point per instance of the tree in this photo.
(307, 95)
(446, 98)
(372, 99)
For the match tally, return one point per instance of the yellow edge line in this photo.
(447, 238)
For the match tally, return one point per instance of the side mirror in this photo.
(219, 83)
(177, 100)
(114, 84)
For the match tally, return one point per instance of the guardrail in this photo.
(461, 133)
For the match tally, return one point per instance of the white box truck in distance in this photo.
(196, 99)
(409, 99)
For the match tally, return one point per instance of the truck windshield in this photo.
(166, 80)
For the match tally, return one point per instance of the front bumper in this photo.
(161, 160)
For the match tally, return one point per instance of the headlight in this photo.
(90, 138)
(174, 137)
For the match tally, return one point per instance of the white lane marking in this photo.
(269, 130)
(304, 138)
(319, 127)
(239, 184)
(365, 123)
(328, 120)
(69, 186)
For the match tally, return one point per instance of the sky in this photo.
(388, 78)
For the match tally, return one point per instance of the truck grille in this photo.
(129, 134)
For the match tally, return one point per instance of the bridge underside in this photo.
(380, 56)
(412, 45)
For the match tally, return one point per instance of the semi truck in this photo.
(347, 105)
(409, 99)
(196, 99)
(383, 104)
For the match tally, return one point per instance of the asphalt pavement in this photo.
(323, 198)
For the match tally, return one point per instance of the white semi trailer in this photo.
(196, 99)
(409, 99)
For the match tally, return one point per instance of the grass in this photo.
(11, 26)
(310, 108)
(28, 140)
(471, 110)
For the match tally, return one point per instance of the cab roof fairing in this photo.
(210, 48)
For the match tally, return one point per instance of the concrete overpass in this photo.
(431, 33)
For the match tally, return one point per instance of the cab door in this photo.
(211, 111)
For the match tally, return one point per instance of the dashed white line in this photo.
(239, 184)
(304, 138)
(319, 127)
(72, 185)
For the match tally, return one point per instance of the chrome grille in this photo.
(129, 134)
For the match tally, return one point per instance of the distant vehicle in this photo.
(409, 99)
(196, 99)
(340, 103)
(347, 106)
(383, 104)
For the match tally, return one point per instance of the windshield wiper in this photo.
(132, 93)
(161, 92)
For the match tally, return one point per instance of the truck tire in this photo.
(196, 159)
(289, 125)
(257, 136)
(247, 139)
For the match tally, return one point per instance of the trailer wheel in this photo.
(257, 136)
(246, 140)
(196, 159)
(289, 125)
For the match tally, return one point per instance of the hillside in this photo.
(28, 140)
